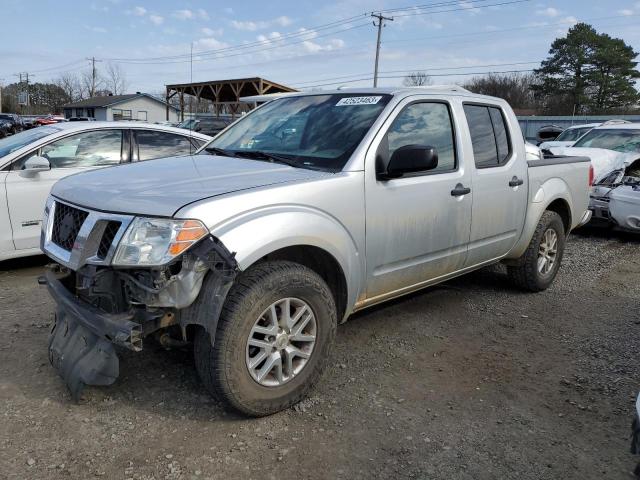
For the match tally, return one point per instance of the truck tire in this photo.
(274, 337)
(541, 261)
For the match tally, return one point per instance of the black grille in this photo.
(107, 238)
(66, 225)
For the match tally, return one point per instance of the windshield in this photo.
(314, 131)
(572, 134)
(22, 139)
(620, 140)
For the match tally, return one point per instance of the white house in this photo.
(135, 106)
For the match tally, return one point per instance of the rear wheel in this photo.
(541, 261)
(273, 339)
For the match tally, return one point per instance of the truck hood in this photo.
(161, 187)
(604, 161)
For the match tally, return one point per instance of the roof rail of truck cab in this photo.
(443, 88)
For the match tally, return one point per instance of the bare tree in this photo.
(90, 86)
(417, 79)
(70, 83)
(515, 88)
(115, 79)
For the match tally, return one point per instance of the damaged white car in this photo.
(614, 151)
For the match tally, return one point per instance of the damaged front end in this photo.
(101, 306)
(615, 199)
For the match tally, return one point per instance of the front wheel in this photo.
(541, 261)
(273, 339)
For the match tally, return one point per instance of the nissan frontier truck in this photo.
(308, 209)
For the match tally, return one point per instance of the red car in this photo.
(49, 119)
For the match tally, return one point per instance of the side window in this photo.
(152, 144)
(489, 135)
(502, 136)
(87, 149)
(425, 124)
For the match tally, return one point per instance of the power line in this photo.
(306, 35)
(418, 69)
(298, 34)
(435, 75)
(500, 30)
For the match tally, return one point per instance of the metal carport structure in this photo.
(224, 95)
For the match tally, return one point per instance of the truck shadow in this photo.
(24, 263)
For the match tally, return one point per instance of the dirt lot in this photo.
(470, 380)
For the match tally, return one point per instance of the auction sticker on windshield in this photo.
(358, 101)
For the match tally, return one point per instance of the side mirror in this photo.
(410, 159)
(34, 165)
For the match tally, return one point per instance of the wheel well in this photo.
(321, 262)
(561, 207)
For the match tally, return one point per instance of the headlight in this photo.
(156, 241)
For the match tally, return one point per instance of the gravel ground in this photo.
(469, 380)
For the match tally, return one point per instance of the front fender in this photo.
(255, 234)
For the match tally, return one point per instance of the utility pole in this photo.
(26, 91)
(93, 61)
(380, 24)
(1, 85)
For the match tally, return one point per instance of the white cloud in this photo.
(248, 25)
(283, 21)
(156, 19)
(202, 14)
(208, 43)
(469, 7)
(183, 14)
(313, 47)
(209, 32)
(626, 12)
(548, 12)
(307, 34)
(252, 26)
(570, 19)
(139, 11)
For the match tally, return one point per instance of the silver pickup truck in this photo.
(304, 211)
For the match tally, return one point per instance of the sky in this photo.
(303, 44)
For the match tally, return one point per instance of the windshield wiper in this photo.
(270, 157)
(220, 151)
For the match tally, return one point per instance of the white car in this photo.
(568, 137)
(614, 150)
(610, 147)
(33, 160)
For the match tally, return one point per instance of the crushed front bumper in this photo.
(81, 343)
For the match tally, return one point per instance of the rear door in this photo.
(152, 144)
(26, 195)
(499, 184)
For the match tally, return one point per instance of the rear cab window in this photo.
(489, 135)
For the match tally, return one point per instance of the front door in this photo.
(500, 185)
(26, 195)
(416, 228)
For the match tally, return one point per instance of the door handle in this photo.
(516, 182)
(460, 190)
